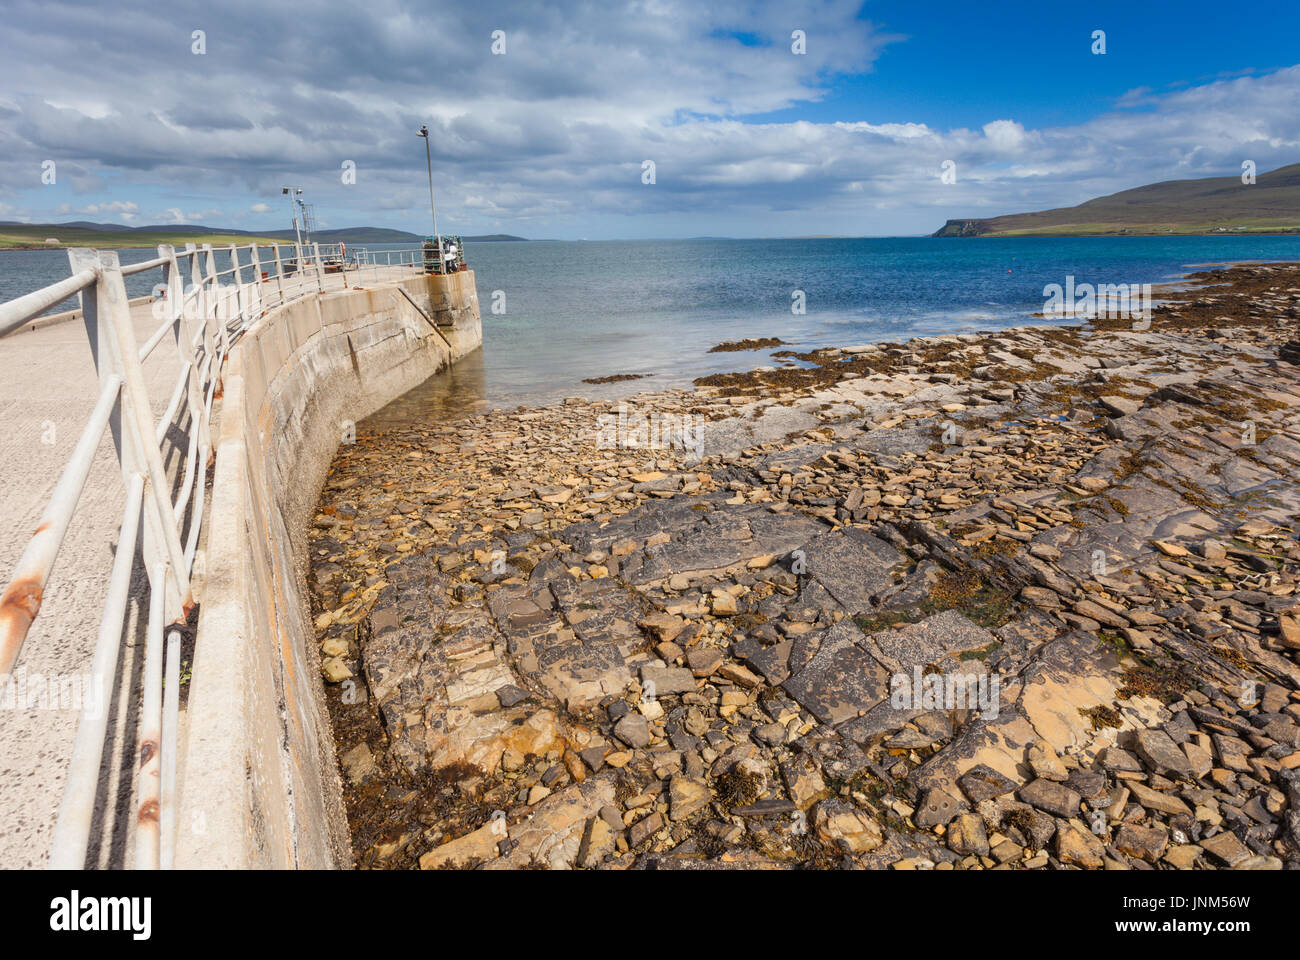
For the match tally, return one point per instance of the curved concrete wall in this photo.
(259, 784)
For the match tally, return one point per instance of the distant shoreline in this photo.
(243, 241)
(1114, 234)
(32, 237)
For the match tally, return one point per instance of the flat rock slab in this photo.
(843, 679)
(1159, 752)
(905, 438)
(883, 718)
(599, 611)
(852, 565)
(706, 536)
(405, 667)
(661, 681)
(739, 433)
(938, 806)
(580, 650)
(773, 661)
(930, 641)
(982, 782)
(725, 536)
(1051, 797)
(998, 743)
(552, 833)
(792, 458)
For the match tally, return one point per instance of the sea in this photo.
(558, 313)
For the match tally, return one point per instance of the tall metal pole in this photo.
(293, 210)
(428, 159)
(302, 210)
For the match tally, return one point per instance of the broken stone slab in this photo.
(1157, 800)
(982, 782)
(552, 832)
(696, 537)
(852, 565)
(998, 743)
(966, 836)
(1051, 797)
(1159, 752)
(1145, 843)
(1226, 848)
(1069, 676)
(662, 681)
(937, 807)
(686, 796)
(842, 679)
(773, 661)
(1119, 406)
(1078, 848)
(928, 642)
(474, 848)
(768, 807)
(634, 730)
(839, 824)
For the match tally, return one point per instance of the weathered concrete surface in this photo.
(259, 784)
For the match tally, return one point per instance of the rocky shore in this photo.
(1013, 600)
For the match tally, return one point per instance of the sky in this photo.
(760, 119)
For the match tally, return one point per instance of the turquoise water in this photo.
(575, 310)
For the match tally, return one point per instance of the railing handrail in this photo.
(18, 311)
(206, 317)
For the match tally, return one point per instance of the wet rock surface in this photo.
(1021, 600)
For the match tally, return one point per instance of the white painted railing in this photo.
(206, 311)
(377, 265)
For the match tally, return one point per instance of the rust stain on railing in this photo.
(18, 608)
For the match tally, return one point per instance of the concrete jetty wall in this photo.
(259, 784)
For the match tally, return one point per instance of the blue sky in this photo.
(960, 61)
(549, 138)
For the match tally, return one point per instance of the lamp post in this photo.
(291, 193)
(428, 159)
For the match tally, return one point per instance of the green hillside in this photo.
(1213, 205)
(28, 237)
(115, 236)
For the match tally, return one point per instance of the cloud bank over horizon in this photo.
(549, 137)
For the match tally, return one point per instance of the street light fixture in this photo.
(292, 193)
(428, 158)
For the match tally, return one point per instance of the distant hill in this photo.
(1212, 205)
(82, 233)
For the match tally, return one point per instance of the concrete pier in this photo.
(257, 780)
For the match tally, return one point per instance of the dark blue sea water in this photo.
(574, 310)
(579, 310)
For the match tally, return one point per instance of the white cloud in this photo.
(554, 132)
(1005, 136)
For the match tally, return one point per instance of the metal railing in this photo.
(206, 310)
(379, 265)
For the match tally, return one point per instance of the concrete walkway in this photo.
(48, 386)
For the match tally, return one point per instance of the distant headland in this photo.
(1245, 204)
